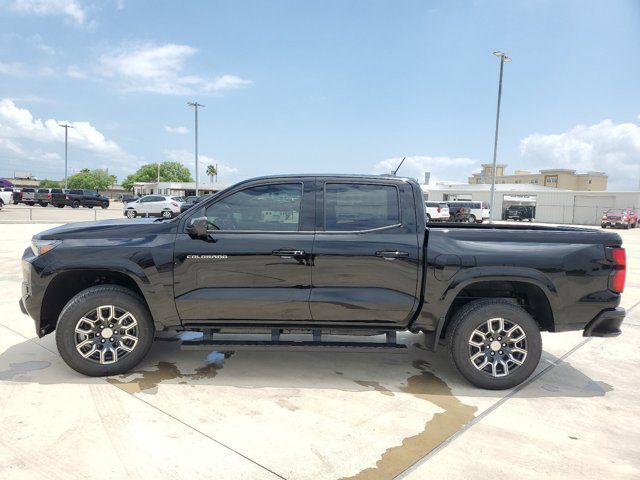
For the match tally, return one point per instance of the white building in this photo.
(552, 205)
(179, 189)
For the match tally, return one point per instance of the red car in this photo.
(620, 217)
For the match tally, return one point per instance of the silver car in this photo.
(166, 206)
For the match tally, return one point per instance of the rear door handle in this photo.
(391, 254)
(288, 253)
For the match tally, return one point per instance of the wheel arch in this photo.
(65, 285)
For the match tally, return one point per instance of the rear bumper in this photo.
(606, 324)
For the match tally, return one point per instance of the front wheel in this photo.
(131, 213)
(105, 205)
(104, 330)
(75, 204)
(494, 343)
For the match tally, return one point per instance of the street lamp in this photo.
(66, 127)
(503, 58)
(195, 105)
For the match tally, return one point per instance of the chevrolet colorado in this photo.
(324, 255)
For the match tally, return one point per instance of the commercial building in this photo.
(560, 178)
(179, 189)
(552, 205)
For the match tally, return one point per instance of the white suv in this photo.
(166, 206)
(479, 211)
(437, 211)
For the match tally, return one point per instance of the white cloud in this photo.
(607, 146)
(178, 130)
(18, 125)
(75, 72)
(159, 69)
(11, 146)
(11, 69)
(69, 8)
(441, 168)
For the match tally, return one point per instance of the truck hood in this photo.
(109, 229)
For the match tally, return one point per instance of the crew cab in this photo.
(317, 255)
(26, 196)
(77, 197)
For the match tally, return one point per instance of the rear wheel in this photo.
(167, 214)
(428, 218)
(603, 225)
(494, 344)
(104, 330)
(44, 204)
(131, 213)
(75, 204)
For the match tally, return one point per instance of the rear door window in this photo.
(355, 206)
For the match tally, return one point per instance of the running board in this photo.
(316, 345)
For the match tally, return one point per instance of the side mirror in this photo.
(198, 227)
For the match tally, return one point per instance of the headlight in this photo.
(40, 247)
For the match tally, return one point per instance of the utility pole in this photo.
(195, 105)
(503, 58)
(66, 127)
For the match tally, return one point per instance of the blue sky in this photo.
(331, 86)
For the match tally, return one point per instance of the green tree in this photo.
(49, 184)
(91, 179)
(212, 171)
(169, 172)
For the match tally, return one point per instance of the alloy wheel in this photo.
(106, 334)
(498, 347)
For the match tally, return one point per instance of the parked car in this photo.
(191, 201)
(520, 212)
(43, 196)
(437, 211)
(26, 196)
(166, 206)
(458, 213)
(6, 197)
(126, 198)
(79, 198)
(478, 211)
(325, 255)
(620, 217)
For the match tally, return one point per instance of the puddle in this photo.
(425, 386)
(22, 368)
(147, 380)
(376, 386)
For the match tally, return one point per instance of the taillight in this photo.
(619, 274)
(66, 197)
(438, 209)
(48, 195)
(175, 204)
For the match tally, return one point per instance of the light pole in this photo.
(503, 58)
(195, 105)
(66, 127)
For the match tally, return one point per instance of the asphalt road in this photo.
(190, 414)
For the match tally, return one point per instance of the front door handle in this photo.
(391, 254)
(289, 253)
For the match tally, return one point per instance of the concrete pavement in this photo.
(314, 415)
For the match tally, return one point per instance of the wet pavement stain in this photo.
(441, 426)
(376, 386)
(148, 380)
(22, 368)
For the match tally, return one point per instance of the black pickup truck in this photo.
(318, 255)
(79, 198)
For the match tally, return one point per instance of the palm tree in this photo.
(212, 171)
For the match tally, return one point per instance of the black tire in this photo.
(60, 206)
(428, 218)
(474, 316)
(105, 205)
(131, 213)
(603, 226)
(75, 204)
(166, 214)
(89, 300)
(472, 219)
(44, 204)
(31, 204)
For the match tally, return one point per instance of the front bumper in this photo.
(606, 324)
